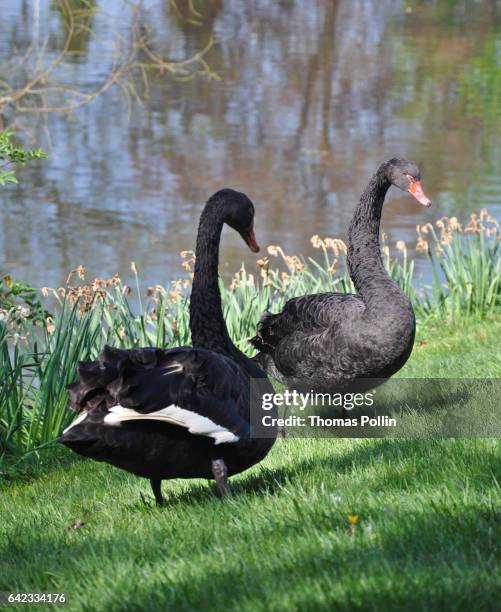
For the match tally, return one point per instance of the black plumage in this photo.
(333, 341)
(182, 412)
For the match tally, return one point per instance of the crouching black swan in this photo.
(327, 342)
(183, 412)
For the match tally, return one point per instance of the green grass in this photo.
(428, 533)
(460, 349)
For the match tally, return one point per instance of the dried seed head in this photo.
(475, 225)
(274, 250)
(422, 245)
(316, 241)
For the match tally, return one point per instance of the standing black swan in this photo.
(183, 412)
(325, 342)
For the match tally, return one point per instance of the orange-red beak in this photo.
(417, 192)
(250, 240)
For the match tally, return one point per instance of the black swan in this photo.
(329, 341)
(181, 412)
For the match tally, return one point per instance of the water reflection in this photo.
(77, 19)
(311, 98)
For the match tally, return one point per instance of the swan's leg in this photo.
(156, 485)
(220, 472)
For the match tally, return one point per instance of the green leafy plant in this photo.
(10, 154)
(16, 297)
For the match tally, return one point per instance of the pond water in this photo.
(310, 98)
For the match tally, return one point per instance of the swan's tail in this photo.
(94, 377)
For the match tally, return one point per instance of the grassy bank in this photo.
(42, 341)
(354, 524)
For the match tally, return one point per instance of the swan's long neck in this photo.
(364, 255)
(208, 328)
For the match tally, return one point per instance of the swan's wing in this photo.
(199, 390)
(309, 314)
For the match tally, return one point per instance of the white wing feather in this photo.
(194, 422)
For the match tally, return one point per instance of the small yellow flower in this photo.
(133, 267)
(400, 245)
(353, 519)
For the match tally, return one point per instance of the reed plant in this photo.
(39, 355)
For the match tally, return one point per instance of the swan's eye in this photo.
(410, 178)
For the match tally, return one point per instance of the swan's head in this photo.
(406, 176)
(238, 214)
